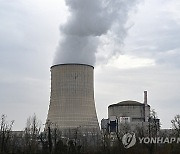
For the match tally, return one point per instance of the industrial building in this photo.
(72, 104)
(131, 113)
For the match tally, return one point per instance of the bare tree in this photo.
(176, 125)
(5, 132)
(153, 130)
(175, 148)
(31, 134)
(154, 124)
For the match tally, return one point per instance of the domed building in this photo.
(129, 111)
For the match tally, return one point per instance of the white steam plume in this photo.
(91, 22)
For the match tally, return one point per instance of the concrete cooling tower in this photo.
(72, 97)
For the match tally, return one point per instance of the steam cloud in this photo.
(90, 23)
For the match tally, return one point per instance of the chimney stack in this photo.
(145, 97)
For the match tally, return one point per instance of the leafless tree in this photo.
(154, 124)
(176, 125)
(31, 134)
(5, 132)
(153, 130)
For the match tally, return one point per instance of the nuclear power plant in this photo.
(72, 106)
(72, 102)
(128, 113)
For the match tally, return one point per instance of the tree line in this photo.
(35, 140)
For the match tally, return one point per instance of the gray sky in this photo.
(147, 57)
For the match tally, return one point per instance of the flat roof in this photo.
(72, 64)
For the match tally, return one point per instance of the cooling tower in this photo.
(72, 97)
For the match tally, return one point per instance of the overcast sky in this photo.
(148, 58)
